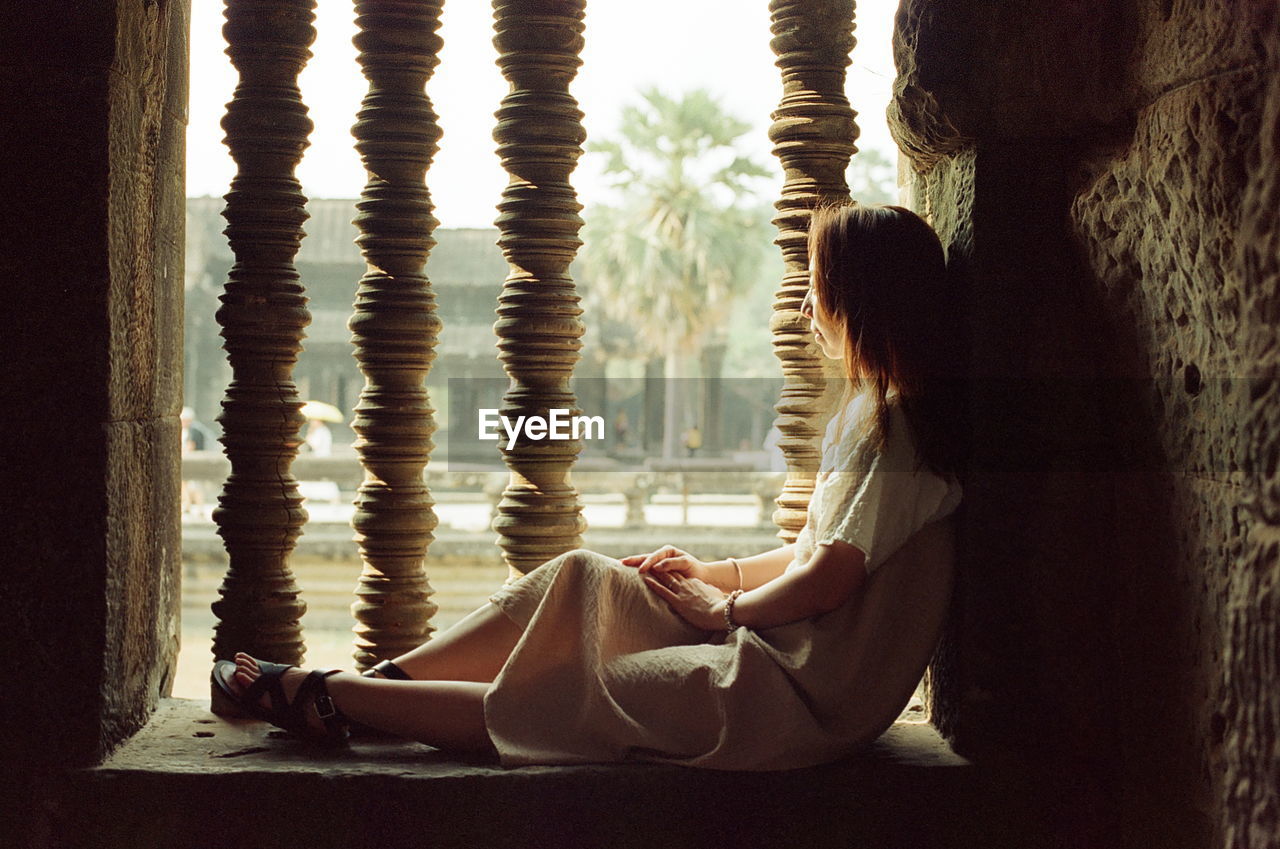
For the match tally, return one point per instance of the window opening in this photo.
(720, 49)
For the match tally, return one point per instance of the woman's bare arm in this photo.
(757, 570)
(834, 572)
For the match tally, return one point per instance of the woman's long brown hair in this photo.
(880, 272)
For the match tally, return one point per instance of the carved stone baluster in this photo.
(263, 313)
(540, 136)
(813, 134)
(395, 328)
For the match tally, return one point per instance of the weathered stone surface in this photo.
(144, 547)
(1136, 615)
(1161, 222)
(1176, 42)
(148, 138)
(970, 69)
(92, 271)
(1247, 725)
(539, 328)
(905, 790)
(263, 314)
(395, 328)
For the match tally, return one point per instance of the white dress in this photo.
(605, 671)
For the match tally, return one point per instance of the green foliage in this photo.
(749, 348)
(670, 260)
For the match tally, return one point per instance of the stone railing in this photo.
(637, 486)
(259, 514)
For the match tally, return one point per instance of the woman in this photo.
(782, 659)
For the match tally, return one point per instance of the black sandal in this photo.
(291, 716)
(388, 670)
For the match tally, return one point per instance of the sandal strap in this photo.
(388, 670)
(313, 692)
(268, 682)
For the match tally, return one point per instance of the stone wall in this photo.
(95, 103)
(1105, 175)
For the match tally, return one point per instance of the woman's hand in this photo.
(697, 602)
(668, 560)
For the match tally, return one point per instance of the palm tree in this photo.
(687, 238)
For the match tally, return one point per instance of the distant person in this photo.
(773, 448)
(621, 425)
(783, 659)
(194, 437)
(692, 441)
(319, 439)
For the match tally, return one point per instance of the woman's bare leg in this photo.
(446, 714)
(474, 649)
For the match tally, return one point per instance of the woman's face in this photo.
(827, 332)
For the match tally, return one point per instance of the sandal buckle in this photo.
(325, 708)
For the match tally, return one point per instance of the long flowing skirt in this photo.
(606, 671)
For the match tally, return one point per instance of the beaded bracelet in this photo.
(729, 624)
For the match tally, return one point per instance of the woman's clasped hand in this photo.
(682, 581)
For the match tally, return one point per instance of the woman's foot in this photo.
(248, 671)
(315, 710)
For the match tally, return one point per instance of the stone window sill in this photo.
(193, 779)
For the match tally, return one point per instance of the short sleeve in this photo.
(876, 500)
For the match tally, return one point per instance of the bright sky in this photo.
(676, 45)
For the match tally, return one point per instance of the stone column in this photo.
(813, 134)
(539, 135)
(94, 96)
(263, 313)
(395, 327)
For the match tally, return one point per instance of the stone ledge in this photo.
(333, 540)
(190, 779)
